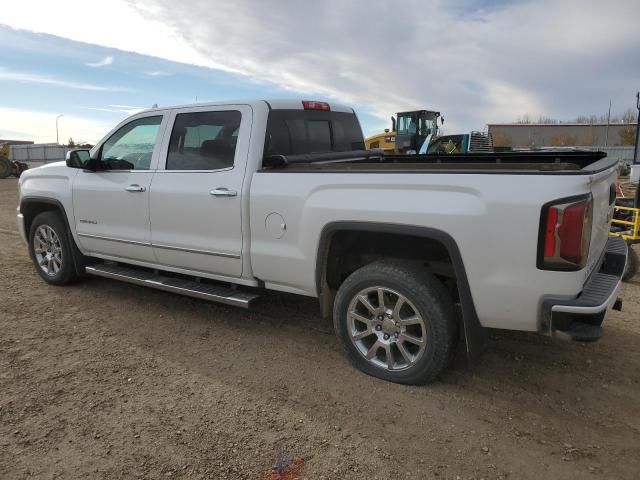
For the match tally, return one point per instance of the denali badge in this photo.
(92, 222)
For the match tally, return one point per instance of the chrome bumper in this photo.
(20, 221)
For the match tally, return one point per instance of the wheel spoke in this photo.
(405, 353)
(373, 350)
(411, 339)
(415, 320)
(398, 306)
(360, 318)
(390, 357)
(43, 261)
(50, 265)
(365, 301)
(381, 299)
(362, 334)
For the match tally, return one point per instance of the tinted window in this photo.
(131, 147)
(293, 132)
(319, 136)
(203, 140)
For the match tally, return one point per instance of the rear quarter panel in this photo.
(494, 219)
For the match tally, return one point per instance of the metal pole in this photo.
(636, 150)
(57, 140)
(606, 140)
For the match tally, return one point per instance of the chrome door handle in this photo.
(135, 188)
(223, 192)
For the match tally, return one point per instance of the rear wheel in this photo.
(51, 250)
(396, 322)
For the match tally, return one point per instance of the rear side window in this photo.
(203, 140)
(295, 132)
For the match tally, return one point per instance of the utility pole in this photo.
(57, 139)
(636, 151)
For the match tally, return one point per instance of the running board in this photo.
(204, 291)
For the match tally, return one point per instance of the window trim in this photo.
(162, 164)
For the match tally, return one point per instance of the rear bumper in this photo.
(585, 313)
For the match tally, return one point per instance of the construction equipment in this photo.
(416, 132)
(8, 167)
(413, 129)
(626, 224)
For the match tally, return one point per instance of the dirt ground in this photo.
(105, 380)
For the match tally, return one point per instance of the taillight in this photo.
(312, 105)
(565, 234)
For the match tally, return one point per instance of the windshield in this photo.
(421, 123)
(447, 145)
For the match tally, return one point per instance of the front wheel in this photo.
(51, 250)
(395, 321)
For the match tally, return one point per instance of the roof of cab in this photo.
(276, 104)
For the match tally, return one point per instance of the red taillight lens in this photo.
(550, 232)
(312, 105)
(567, 233)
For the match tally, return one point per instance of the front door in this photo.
(196, 199)
(111, 204)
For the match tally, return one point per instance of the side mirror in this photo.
(78, 158)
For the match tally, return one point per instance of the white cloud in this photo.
(108, 60)
(128, 109)
(25, 77)
(42, 126)
(157, 73)
(474, 61)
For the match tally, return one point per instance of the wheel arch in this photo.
(474, 333)
(31, 207)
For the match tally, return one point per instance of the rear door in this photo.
(196, 194)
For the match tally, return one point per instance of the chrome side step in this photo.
(205, 291)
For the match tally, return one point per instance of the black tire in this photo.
(429, 299)
(632, 264)
(66, 272)
(5, 167)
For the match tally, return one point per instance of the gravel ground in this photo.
(105, 380)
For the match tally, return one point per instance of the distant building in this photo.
(562, 134)
(16, 142)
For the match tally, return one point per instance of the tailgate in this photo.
(603, 189)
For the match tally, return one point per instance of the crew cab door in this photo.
(111, 204)
(196, 194)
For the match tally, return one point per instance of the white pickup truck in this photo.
(408, 254)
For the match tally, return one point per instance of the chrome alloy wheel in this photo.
(47, 250)
(386, 328)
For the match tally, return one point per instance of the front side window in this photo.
(203, 140)
(131, 147)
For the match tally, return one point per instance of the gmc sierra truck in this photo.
(409, 255)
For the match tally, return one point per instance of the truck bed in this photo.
(532, 162)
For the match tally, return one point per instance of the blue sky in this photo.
(476, 61)
(52, 75)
